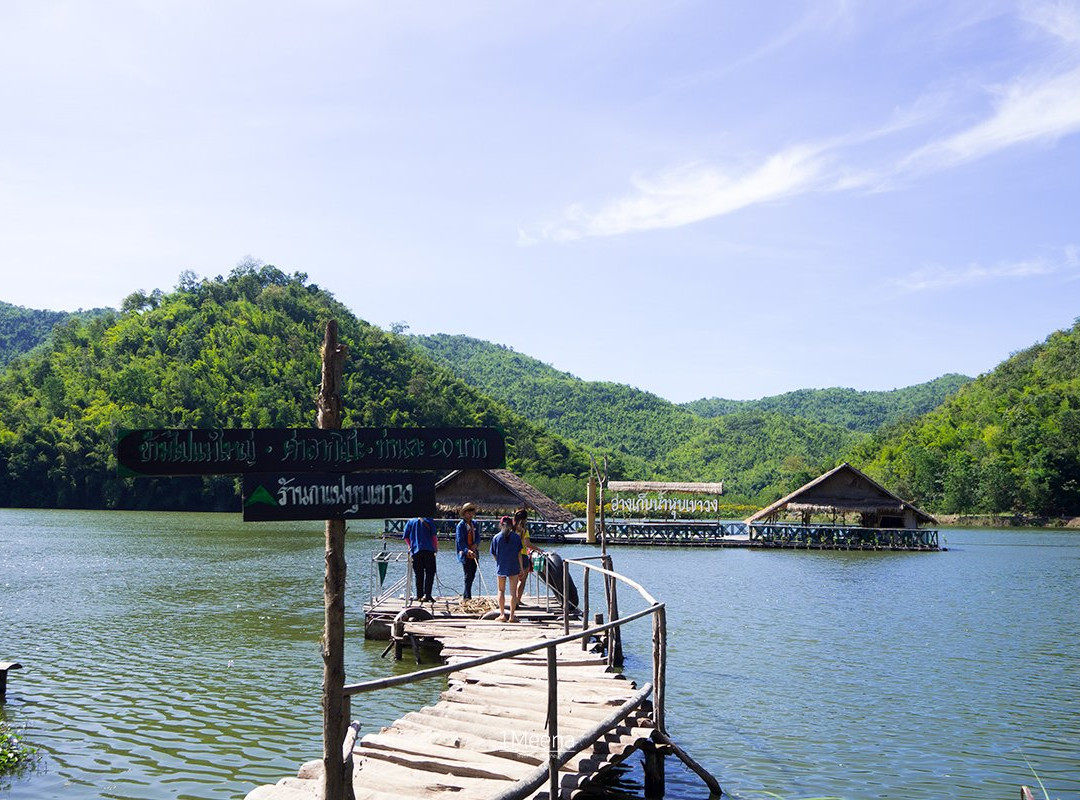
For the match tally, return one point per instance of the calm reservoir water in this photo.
(177, 656)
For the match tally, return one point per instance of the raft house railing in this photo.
(714, 533)
(842, 537)
(609, 633)
(539, 531)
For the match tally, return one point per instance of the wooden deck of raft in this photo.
(488, 729)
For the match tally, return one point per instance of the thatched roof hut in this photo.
(847, 490)
(495, 492)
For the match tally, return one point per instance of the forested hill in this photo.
(1009, 441)
(758, 454)
(241, 351)
(609, 416)
(855, 410)
(23, 329)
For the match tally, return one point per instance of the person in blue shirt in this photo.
(423, 542)
(506, 548)
(467, 542)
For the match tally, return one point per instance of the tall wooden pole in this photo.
(590, 511)
(333, 642)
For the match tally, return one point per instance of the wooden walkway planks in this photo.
(488, 729)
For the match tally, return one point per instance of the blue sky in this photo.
(695, 198)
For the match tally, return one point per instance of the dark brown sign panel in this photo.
(276, 496)
(231, 451)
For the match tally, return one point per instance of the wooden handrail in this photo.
(557, 758)
(446, 669)
(530, 783)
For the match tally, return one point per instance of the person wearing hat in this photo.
(506, 548)
(467, 539)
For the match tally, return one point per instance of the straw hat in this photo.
(468, 507)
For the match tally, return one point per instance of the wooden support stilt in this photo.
(653, 765)
(700, 771)
(4, 667)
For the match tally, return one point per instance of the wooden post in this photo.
(4, 667)
(653, 769)
(603, 528)
(566, 598)
(585, 610)
(659, 667)
(590, 510)
(347, 747)
(615, 652)
(553, 722)
(333, 644)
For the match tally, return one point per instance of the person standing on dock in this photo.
(521, 527)
(506, 548)
(467, 540)
(423, 541)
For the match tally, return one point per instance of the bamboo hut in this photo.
(842, 491)
(495, 492)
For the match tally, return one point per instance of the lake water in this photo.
(177, 656)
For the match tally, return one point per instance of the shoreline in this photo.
(1018, 520)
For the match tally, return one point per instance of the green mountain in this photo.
(760, 455)
(855, 410)
(241, 351)
(1010, 440)
(606, 416)
(23, 329)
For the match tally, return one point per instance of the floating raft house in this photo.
(885, 520)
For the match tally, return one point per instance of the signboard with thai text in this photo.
(230, 451)
(364, 495)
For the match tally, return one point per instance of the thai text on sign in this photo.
(242, 450)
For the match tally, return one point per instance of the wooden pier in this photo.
(532, 709)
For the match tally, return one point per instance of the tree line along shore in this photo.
(241, 350)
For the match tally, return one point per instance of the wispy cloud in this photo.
(692, 193)
(1042, 105)
(1044, 109)
(938, 277)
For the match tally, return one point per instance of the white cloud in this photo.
(1042, 105)
(938, 277)
(1059, 19)
(1028, 110)
(692, 193)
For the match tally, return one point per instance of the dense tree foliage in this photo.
(241, 351)
(23, 329)
(760, 456)
(1010, 440)
(603, 416)
(855, 410)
